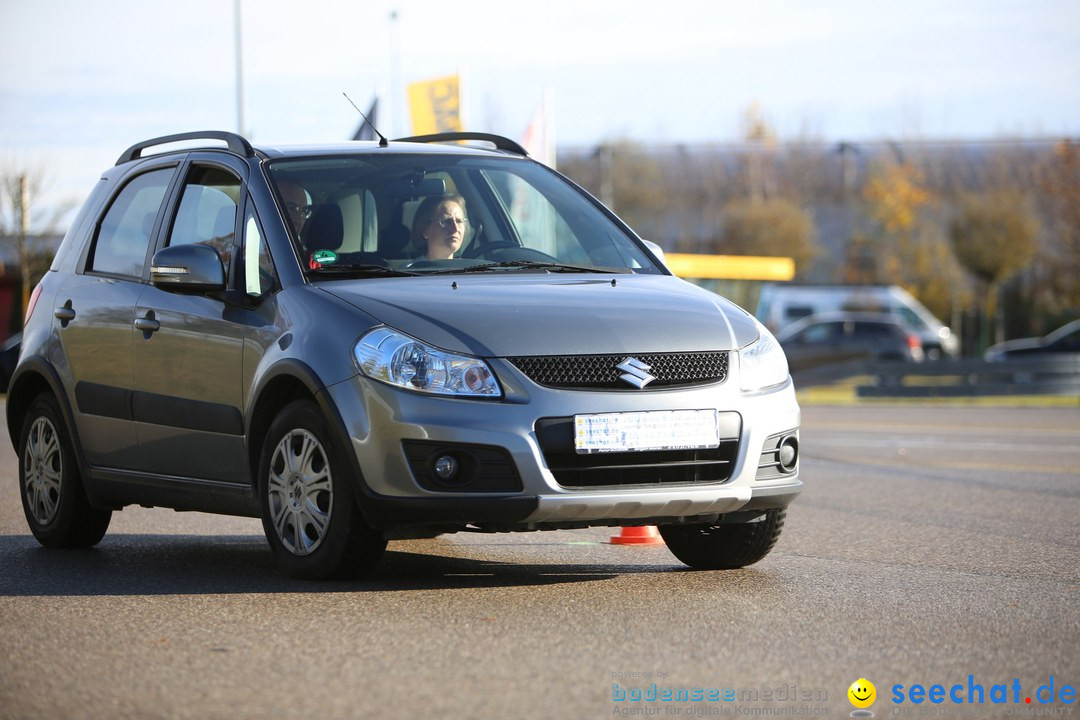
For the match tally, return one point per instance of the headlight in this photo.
(762, 363)
(397, 359)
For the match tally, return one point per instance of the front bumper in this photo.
(380, 421)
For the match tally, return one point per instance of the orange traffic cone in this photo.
(641, 535)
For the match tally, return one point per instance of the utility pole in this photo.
(605, 158)
(22, 210)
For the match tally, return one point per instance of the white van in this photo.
(780, 305)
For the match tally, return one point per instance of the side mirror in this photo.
(188, 269)
(657, 251)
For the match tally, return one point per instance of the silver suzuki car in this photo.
(384, 340)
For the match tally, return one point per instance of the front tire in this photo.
(54, 502)
(309, 512)
(727, 545)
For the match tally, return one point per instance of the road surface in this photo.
(932, 546)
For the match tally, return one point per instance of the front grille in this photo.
(598, 372)
(653, 467)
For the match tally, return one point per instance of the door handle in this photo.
(147, 324)
(64, 314)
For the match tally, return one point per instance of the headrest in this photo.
(326, 228)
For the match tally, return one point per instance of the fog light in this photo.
(446, 467)
(789, 453)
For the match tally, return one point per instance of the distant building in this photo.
(10, 285)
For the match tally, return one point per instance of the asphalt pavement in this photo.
(932, 547)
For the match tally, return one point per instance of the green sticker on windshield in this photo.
(324, 257)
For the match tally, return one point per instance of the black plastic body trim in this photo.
(772, 498)
(184, 413)
(35, 365)
(386, 513)
(103, 400)
(116, 488)
(155, 409)
(481, 468)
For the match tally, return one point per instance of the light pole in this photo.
(239, 68)
(395, 79)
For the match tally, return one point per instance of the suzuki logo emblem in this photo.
(635, 372)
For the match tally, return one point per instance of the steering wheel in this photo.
(482, 250)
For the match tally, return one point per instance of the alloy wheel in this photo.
(44, 469)
(300, 492)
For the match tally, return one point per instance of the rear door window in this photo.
(872, 332)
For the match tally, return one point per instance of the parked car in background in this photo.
(1066, 339)
(365, 342)
(833, 338)
(9, 355)
(781, 304)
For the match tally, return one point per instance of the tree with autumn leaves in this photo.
(994, 235)
(1057, 267)
(923, 215)
(925, 238)
(908, 247)
(760, 220)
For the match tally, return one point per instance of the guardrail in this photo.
(955, 378)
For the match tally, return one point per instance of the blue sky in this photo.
(80, 81)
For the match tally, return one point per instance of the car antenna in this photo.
(382, 138)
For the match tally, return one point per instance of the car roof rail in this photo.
(500, 142)
(235, 143)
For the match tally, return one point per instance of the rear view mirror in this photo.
(188, 268)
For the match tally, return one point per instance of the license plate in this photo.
(641, 431)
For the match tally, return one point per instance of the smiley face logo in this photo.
(862, 693)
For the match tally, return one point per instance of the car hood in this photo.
(516, 314)
(1019, 346)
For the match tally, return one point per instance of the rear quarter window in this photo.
(79, 228)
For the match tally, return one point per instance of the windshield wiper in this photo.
(530, 265)
(369, 270)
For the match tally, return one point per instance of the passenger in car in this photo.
(297, 207)
(439, 226)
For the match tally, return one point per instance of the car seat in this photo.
(325, 230)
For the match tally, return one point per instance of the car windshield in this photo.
(428, 213)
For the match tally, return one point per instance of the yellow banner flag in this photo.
(435, 106)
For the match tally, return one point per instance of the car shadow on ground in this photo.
(231, 564)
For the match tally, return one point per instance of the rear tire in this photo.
(724, 546)
(309, 511)
(54, 502)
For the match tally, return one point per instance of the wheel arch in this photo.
(286, 381)
(34, 377)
